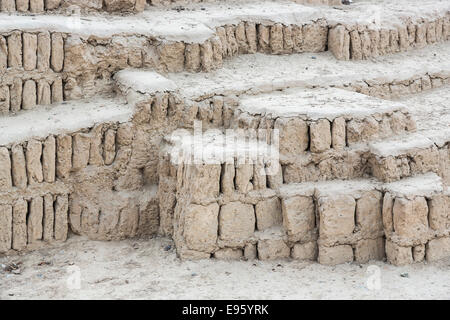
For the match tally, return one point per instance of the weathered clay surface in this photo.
(40, 6)
(330, 198)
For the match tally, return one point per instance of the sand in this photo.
(142, 269)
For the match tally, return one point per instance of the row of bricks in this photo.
(30, 221)
(363, 210)
(236, 225)
(55, 157)
(398, 88)
(390, 168)
(298, 135)
(259, 174)
(363, 251)
(214, 109)
(25, 95)
(433, 250)
(34, 6)
(271, 249)
(246, 37)
(32, 51)
(415, 220)
(98, 223)
(357, 43)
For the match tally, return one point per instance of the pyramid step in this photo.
(348, 218)
(318, 120)
(86, 51)
(76, 163)
(416, 218)
(358, 43)
(110, 170)
(407, 155)
(389, 77)
(63, 118)
(355, 215)
(338, 221)
(136, 84)
(167, 109)
(431, 111)
(58, 6)
(195, 40)
(43, 146)
(291, 112)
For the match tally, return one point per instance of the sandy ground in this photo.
(430, 108)
(148, 269)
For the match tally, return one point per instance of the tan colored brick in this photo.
(236, 222)
(272, 249)
(200, 228)
(336, 216)
(298, 216)
(335, 255)
(268, 213)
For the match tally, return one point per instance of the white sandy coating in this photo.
(145, 82)
(215, 147)
(143, 269)
(197, 22)
(431, 110)
(400, 145)
(329, 188)
(422, 185)
(265, 73)
(427, 184)
(66, 117)
(316, 104)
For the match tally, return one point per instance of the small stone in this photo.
(404, 275)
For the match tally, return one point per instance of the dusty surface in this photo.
(260, 72)
(143, 269)
(432, 112)
(109, 198)
(63, 118)
(327, 103)
(196, 22)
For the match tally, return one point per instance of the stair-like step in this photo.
(410, 154)
(405, 73)
(352, 214)
(86, 51)
(42, 147)
(134, 82)
(71, 6)
(215, 207)
(416, 219)
(317, 120)
(73, 165)
(312, 145)
(431, 111)
(63, 118)
(110, 170)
